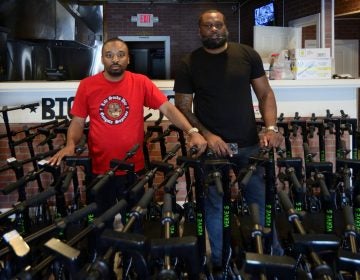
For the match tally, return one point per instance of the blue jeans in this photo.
(254, 192)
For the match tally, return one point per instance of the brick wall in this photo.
(179, 21)
(285, 11)
(346, 6)
(308, 33)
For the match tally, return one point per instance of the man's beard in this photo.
(214, 43)
(115, 72)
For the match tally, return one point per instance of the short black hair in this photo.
(115, 39)
(208, 12)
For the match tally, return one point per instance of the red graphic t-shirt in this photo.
(116, 112)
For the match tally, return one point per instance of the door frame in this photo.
(308, 21)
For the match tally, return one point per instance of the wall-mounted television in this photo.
(265, 15)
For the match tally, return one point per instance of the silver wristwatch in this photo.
(272, 128)
(192, 130)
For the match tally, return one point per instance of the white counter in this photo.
(316, 96)
(302, 96)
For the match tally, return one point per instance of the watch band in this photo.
(272, 128)
(192, 130)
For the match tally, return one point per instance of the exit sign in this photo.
(145, 20)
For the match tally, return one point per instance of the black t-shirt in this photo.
(222, 93)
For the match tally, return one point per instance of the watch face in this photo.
(273, 128)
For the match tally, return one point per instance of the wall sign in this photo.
(144, 20)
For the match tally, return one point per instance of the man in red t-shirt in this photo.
(114, 101)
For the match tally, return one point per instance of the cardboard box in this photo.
(311, 69)
(309, 53)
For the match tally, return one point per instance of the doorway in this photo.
(312, 20)
(149, 55)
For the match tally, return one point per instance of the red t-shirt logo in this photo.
(114, 110)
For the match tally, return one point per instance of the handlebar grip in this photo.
(348, 215)
(280, 152)
(193, 150)
(161, 137)
(47, 139)
(40, 197)
(34, 200)
(306, 148)
(347, 175)
(146, 198)
(147, 116)
(5, 167)
(67, 180)
(79, 214)
(24, 106)
(111, 212)
(172, 152)
(96, 188)
(308, 155)
(210, 153)
(296, 184)
(172, 180)
(218, 183)
(255, 213)
(323, 188)
(245, 180)
(167, 206)
(139, 186)
(13, 186)
(285, 201)
(132, 151)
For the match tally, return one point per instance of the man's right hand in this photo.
(219, 146)
(74, 135)
(57, 158)
(198, 141)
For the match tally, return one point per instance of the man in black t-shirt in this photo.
(213, 90)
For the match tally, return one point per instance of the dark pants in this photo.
(113, 191)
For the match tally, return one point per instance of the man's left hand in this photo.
(271, 139)
(198, 141)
